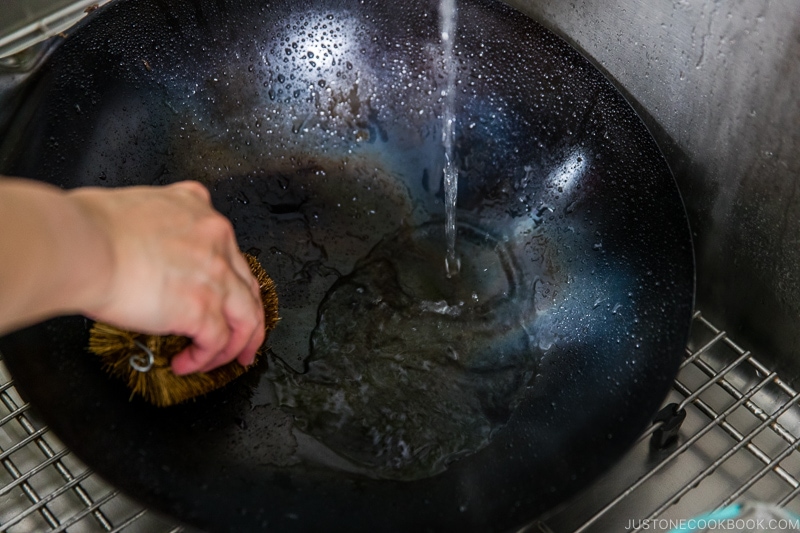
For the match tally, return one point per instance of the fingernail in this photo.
(247, 360)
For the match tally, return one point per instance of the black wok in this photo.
(316, 125)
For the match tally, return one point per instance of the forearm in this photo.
(54, 259)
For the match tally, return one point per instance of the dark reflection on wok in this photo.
(484, 400)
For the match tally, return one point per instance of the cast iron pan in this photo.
(316, 125)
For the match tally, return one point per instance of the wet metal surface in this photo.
(317, 129)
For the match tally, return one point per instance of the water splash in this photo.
(410, 371)
(448, 17)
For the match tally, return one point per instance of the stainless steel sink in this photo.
(716, 84)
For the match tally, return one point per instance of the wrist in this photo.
(91, 274)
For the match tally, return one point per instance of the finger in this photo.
(248, 355)
(207, 342)
(224, 358)
(245, 319)
(183, 364)
(246, 276)
(242, 268)
(240, 337)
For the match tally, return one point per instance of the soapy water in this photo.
(411, 369)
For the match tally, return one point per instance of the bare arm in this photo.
(151, 259)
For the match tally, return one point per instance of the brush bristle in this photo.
(159, 386)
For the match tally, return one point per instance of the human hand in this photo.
(175, 269)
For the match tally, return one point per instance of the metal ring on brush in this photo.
(142, 363)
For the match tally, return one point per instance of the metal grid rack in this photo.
(52, 22)
(44, 488)
(739, 440)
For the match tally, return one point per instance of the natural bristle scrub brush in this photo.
(143, 361)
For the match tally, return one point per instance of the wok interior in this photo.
(318, 132)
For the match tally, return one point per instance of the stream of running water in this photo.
(448, 20)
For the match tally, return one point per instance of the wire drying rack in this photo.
(52, 22)
(732, 433)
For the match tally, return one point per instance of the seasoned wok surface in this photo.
(316, 127)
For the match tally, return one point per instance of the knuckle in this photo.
(219, 226)
(216, 230)
(213, 336)
(198, 308)
(197, 188)
(217, 267)
(250, 323)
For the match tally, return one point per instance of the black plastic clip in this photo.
(671, 419)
